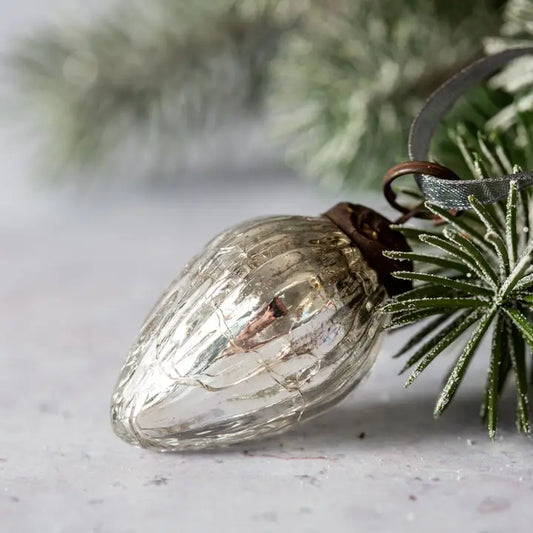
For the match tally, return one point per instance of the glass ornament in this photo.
(271, 324)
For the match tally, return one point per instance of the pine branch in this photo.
(349, 80)
(154, 77)
(496, 292)
(490, 130)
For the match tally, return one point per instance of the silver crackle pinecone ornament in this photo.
(274, 322)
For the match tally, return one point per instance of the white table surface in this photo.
(78, 273)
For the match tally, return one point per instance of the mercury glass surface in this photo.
(271, 324)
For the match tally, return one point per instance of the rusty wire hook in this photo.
(427, 168)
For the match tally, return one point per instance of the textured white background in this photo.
(79, 271)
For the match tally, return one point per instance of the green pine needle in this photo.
(485, 282)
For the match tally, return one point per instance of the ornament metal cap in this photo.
(372, 234)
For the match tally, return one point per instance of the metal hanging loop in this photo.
(426, 168)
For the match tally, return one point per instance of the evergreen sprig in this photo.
(349, 79)
(483, 281)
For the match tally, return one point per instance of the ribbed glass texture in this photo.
(271, 324)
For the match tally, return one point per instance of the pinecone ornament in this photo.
(274, 322)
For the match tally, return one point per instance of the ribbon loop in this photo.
(441, 191)
(456, 195)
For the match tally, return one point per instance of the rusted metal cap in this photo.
(372, 234)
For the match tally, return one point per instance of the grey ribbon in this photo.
(454, 194)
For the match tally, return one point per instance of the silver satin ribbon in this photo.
(454, 194)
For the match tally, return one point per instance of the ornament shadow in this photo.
(408, 420)
(381, 424)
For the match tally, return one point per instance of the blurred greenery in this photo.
(338, 80)
(350, 78)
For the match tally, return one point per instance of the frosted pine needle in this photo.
(484, 282)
